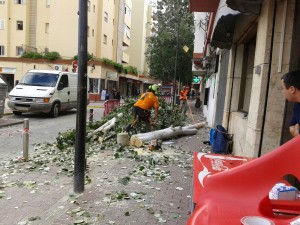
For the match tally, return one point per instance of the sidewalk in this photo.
(150, 188)
(8, 121)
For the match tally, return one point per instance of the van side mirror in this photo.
(60, 86)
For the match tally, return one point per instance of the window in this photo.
(94, 8)
(1, 50)
(88, 31)
(127, 11)
(22, 2)
(247, 75)
(48, 3)
(89, 6)
(105, 39)
(19, 25)
(93, 32)
(2, 1)
(47, 28)
(105, 16)
(2, 24)
(64, 81)
(94, 85)
(127, 31)
(19, 50)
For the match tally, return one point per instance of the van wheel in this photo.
(17, 113)
(55, 110)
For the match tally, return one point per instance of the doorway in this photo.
(9, 80)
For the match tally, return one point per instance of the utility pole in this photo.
(79, 158)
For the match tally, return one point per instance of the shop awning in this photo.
(203, 5)
(245, 6)
(224, 26)
(130, 76)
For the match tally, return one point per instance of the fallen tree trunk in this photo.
(137, 140)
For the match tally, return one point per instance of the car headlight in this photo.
(42, 100)
(11, 98)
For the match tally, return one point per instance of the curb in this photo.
(9, 122)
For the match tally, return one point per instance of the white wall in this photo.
(199, 33)
(211, 100)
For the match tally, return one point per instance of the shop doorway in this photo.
(9, 80)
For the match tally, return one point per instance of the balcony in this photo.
(125, 58)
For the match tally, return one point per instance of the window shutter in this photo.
(2, 24)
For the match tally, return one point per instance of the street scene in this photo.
(150, 112)
(118, 191)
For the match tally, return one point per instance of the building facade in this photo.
(52, 26)
(253, 45)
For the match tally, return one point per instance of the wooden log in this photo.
(167, 133)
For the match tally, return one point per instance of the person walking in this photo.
(141, 109)
(183, 99)
(290, 84)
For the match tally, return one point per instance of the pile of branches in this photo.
(169, 115)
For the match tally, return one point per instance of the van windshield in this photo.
(39, 79)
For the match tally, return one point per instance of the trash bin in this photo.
(3, 89)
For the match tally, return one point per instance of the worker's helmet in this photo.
(154, 88)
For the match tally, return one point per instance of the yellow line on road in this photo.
(94, 106)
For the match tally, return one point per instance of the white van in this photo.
(45, 91)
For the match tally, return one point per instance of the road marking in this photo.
(94, 106)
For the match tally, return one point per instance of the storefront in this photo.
(8, 76)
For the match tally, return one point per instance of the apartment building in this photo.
(52, 26)
(141, 21)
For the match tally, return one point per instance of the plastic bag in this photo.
(222, 143)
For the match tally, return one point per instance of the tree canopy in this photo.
(173, 27)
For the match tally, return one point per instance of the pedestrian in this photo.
(103, 93)
(290, 83)
(193, 94)
(183, 99)
(141, 109)
(198, 101)
(106, 96)
(118, 95)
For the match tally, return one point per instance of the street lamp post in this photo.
(175, 69)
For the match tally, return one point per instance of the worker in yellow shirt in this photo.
(183, 99)
(141, 109)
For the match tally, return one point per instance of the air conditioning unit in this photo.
(58, 67)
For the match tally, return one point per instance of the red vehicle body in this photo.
(228, 188)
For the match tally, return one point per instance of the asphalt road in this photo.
(42, 129)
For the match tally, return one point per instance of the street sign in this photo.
(185, 48)
(75, 64)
